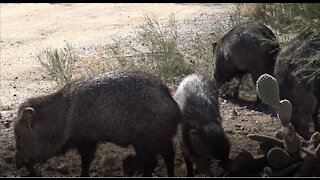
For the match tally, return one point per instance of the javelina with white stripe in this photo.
(201, 134)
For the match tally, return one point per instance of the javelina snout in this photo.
(122, 107)
(248, 48)
(298, 81)
(201, 135)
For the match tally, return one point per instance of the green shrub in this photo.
(288, 19)
(284, 17)
(155, 50)
(58, 63)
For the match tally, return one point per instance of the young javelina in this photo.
(248, 48)
(122, 107)
(201, 135)
(294, 79)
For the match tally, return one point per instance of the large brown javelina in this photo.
(250, 48)
(201, 134)
(122, 107)
(299, 82)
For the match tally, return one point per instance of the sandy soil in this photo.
(27, 28)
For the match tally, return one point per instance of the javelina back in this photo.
(201, 135)
(301, 91)
(122, 107)
(250, 48)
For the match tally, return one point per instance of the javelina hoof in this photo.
(278, 158)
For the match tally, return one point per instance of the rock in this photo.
(109, 161)
(9, 159)
(11, 147)
(267, 172)
(7, 124)
(49, 168)
(234, 112)
(62, 168)
(315, 139)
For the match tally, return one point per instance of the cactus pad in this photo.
(284, 112)
(268, 90)
(278, 158)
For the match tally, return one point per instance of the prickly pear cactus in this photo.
(278, 158)
(284, 112)
(268, 90)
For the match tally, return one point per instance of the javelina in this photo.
(250, 48)
(201, 134)
(131, 165)
(123, 107)
(295, 83)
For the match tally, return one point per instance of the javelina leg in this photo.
(86, 151)
(168, 156)
(189, 165)
(146, 155)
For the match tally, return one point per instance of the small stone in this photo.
(7, 124)
(315, 139)
(9, 159)
(11, 147)
(62, 168)
(108, 161)
(267, 172)
(234, 112)
(49, 168)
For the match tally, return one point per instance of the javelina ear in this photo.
(27, 115)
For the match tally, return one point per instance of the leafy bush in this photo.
(58, 63)
(284, 17)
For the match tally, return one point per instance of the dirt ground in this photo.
(27, 28)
